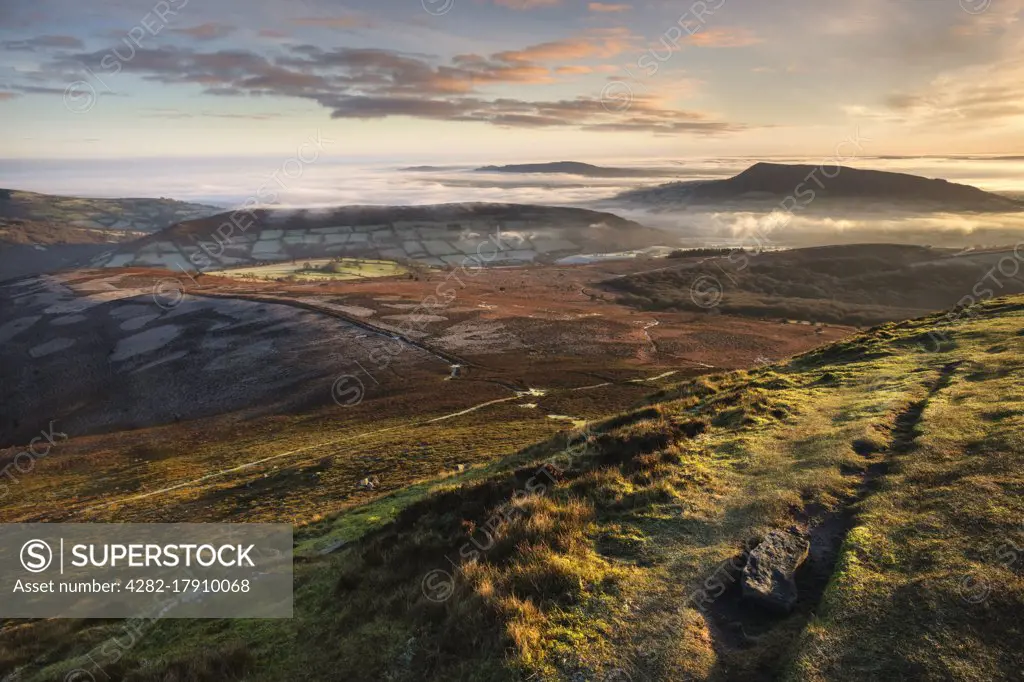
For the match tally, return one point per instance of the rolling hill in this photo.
(438, 235)
(862, 284)
(45, 232)
(811, 187)
(22, 232)
(138, 215)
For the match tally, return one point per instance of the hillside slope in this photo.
(438, 235)
(862, 284)
(614, 552)
(140, 215)
(29, 247)
(45, 232)
(22, 232)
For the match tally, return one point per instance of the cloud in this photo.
(897, 36)
(208, 31)
(177, 114)
(602, 44)
(526, 4)
(40, 89)
(999, 19)
(398, 73)
(272, 33)
(343, 22)
(870, 17)
(250, 117)
(608, 7)
(724, 37)
(7, 96)
(369, 83)
(972, 97)
(585, 113)
(576, 70)
(902, 101)
(42, 43)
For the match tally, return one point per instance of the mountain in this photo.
(437, 235)
(809, 186)
(572, 168)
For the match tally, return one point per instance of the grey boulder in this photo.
(769, 578)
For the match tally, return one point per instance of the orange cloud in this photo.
(547, 52)
(608, 7)
(573, 70)
(602, 44)
(515, 74)
(724, 37)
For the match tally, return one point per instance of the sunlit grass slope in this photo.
(610, 553)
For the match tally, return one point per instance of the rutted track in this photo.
(736, 626)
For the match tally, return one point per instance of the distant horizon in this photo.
(506, 160)
(228, 181)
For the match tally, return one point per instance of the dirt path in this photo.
(289, 453)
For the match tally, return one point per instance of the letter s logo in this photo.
(36, 556)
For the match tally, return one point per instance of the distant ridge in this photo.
(45, 232)
(132, 214)
(571, 168)
(772, 182)
(424, 169)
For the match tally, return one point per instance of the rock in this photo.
(331, 547)
(769, 576)
(371, 483)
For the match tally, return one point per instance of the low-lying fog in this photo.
(326, 182)
(765, 231)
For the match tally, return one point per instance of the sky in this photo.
(492, 80)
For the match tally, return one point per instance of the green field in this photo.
(316, 270)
